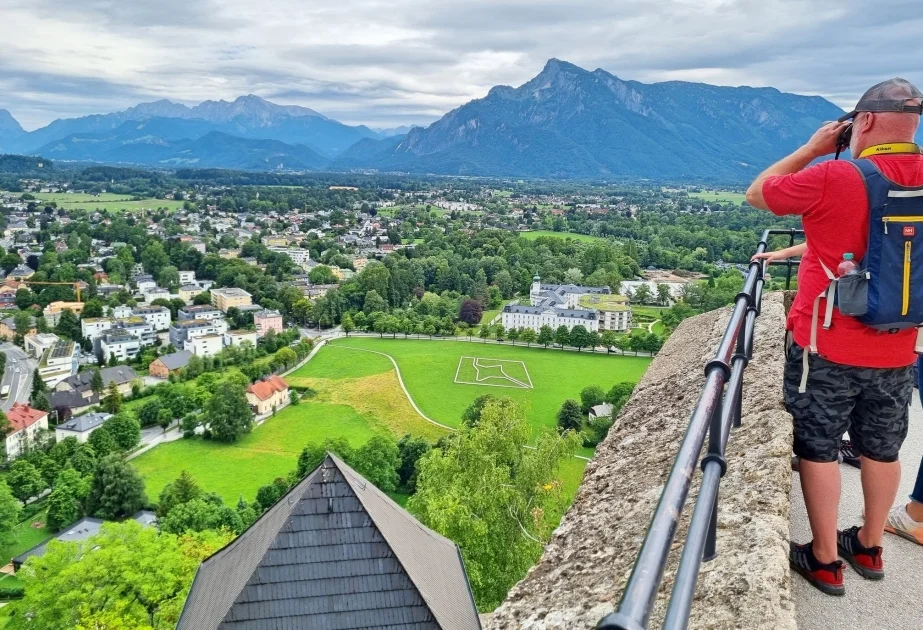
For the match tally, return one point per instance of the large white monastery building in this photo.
(568, 305)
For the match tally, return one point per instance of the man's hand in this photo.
(823, 142)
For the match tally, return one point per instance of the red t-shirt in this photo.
(831, 200)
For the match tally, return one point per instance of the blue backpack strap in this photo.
(876, 185)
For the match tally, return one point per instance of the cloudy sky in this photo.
(392, 62)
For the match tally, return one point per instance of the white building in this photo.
(554, 305)
(25, 423)
(156, 316)
(299, 256)
(182, 332)
(205, 345)
(37, 344)
(93, 326)
(121, 312)
(121, 345)
(186, 277)
(58, 363)
(156, 293)
(238, 337)
(80, 427)
(200, 311)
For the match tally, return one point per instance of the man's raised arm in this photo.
(823, 142)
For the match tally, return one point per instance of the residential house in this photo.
(188, 291)
(21, 272)
(119, 344)
(36, 344)
(335, 552)
(7, 296)
(230, 296)
(145, 283)
(162, 367)
(53, 311)
(80, 427)
(266, 320)
(25, 423)
(200, 311)
(8, 328)
(600, 411)
(183, 331)
(238, 337)
(186, 277)
(58, 362)
(76, 392)
(156, 293)
(268, 394)
(93, 326)
(81, 530)
(206, 345)
(156, 316)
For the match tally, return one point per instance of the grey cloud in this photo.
(403, 61)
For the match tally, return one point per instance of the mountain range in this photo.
(565, 122)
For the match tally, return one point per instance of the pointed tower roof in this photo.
(334, 553)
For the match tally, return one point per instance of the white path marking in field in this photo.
(410, 398)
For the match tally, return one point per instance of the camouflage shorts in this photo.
(871, 403)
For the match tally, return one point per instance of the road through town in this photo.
(17, 374)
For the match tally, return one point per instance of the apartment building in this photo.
(157, 316)
(200, 311)
(206, 345)
(119, 344)
(267, 320)
(230, 296)
(182, 332)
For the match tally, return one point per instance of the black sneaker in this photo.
(849, 454)
(827, 578)
(867, 561)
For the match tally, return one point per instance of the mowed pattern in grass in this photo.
(586, 238)
(429, 367)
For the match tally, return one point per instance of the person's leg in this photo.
(820, 485)
(879, 426)
(821, 417)
(880, 481)
(915, 507)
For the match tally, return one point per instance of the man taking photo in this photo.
(846, 376)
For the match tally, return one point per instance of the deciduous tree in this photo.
(569, 416)
(227, 413)
(116, 491)
(494, 497)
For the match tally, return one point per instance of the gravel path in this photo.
(896, 603)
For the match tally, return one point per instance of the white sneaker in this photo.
(900, 523)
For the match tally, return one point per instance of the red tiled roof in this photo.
(265, 389)
(22, 416)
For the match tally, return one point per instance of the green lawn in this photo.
(577, 237)
(104, 201)
(429, 368)
(270, 451)
(26, 537)
(720, 196)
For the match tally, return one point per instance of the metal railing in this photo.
(718, 408)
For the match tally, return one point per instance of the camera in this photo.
(843, 141)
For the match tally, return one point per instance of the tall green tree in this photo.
(227, 413)
(495, 498)
(590, 397)
(569, 416)
(69, 326)
(96, 382)
(579, 337)
(545, 336)
(183, 489)
(347, 324)
(112, 401)
(125, 430)
(562, 335)
(66, 501)
(378, 461)
(10, 511)
(117, 491)
(25, 480)
(127, 577)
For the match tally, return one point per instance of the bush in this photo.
(12, 592)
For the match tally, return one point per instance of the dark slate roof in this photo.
(81, 530)
(334, 553)
(177, 360)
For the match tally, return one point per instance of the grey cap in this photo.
(888, 96)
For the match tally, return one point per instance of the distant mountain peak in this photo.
(8, 124)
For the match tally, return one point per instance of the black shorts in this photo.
(871, 403)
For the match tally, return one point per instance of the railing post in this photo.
(713, 415)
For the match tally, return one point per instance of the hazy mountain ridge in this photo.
(568, 122)
(565, 122)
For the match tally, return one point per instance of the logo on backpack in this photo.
(909, 230)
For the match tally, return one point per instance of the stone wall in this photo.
(584, 568)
